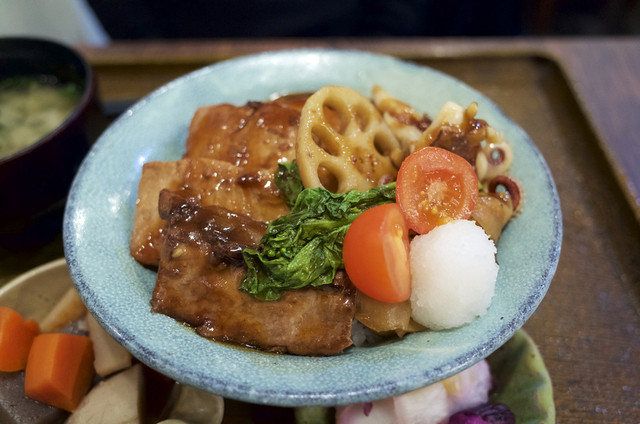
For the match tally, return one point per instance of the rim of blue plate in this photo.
(99, 217)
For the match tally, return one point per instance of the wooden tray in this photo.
(588, 325)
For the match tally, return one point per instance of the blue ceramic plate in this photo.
(99, 218)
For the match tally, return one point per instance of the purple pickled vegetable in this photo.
(489, 413)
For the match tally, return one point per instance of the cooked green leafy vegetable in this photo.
(305, 247)
(288, 180)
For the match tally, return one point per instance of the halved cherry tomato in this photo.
(376, 254)
(435, 186)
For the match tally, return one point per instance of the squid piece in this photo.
(456, 129)
(495, 209)
(405, 122)
(450, 117)
(495, 156)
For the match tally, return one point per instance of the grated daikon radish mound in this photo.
(453, 275)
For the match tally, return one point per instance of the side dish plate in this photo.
(99, 219)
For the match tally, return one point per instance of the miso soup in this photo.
(30, 108)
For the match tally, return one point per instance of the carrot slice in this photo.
(16, 336)
(59, 370)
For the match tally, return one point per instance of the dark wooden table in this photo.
(579, 100)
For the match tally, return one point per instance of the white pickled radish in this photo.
(423, 406)
(468, 388)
